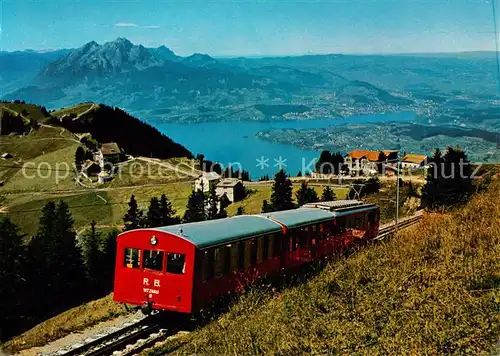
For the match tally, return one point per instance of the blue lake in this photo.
(235, 142)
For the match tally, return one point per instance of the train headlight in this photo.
(153, 240)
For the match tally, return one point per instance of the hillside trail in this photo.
(191, 172)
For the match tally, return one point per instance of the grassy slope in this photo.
(84, 208)
(433, 289)
(35, 145)
(75, 319)
(77, 109)
(33, 111)
(25, 210)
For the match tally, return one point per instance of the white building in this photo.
(411, 161)
(232, 188)
(206, 181)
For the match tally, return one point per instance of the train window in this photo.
(304, 234)
(253, 260)
(294, 240)
(277, 244)
(248, 253)
(153, 260)
(176, 263)
(207, 265)
(234, 257)
(260, 250)
(219, 262)
(204, 266)
(132, 258)
(241, 255)
(265, 248)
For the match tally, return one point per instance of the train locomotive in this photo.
(184, 268)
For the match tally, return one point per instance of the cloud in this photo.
(131, 24)
(126, 24)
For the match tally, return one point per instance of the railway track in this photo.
(129, 340)
(390, 229)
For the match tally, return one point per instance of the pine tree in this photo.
(69, 277)
(449, 179)
(109, 260)
(79, 156)
(195, 209)
(240, 210)
(306, 195)
(266, 208)
(154, 214)
(224, 203)
(167, 212)
(299, 174)
(328, 194)
(12, 260)
(134, 218)
(213, 207)
(281, 197)
(93, 257)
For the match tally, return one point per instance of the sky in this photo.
(260, 28)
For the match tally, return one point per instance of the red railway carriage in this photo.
(184, 267)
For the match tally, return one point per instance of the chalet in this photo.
(206, 181)
(411, 161)
(233, 188)
(6, 155)
(110, 152)
(364, 161)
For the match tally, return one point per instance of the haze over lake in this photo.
(231, 142)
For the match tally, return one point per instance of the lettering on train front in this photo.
(155, 283)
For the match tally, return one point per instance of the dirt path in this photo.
(191, 172)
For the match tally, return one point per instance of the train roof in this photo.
(333, 205)
(209, 233)
(300, 217)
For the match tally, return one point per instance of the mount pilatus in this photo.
(111, 58)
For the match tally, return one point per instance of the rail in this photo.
(390, 229)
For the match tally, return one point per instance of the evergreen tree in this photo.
(213, 207)
(306, 195)
(12, 259)
(299, 174)
(154, 214)
(449, 179)
(323, 165)
(381, 159)
(79, 157)
(224, 203)
(69, 277)
(328, 194)
(266, 208)
(93, 258)
(240, 210)
(245, 176)
(109, 260)
(195, 209)
(134, 218)
(281, 197)
(167, 212)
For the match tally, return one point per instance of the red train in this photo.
(185, 267)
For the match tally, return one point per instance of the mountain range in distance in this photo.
(155, 83)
